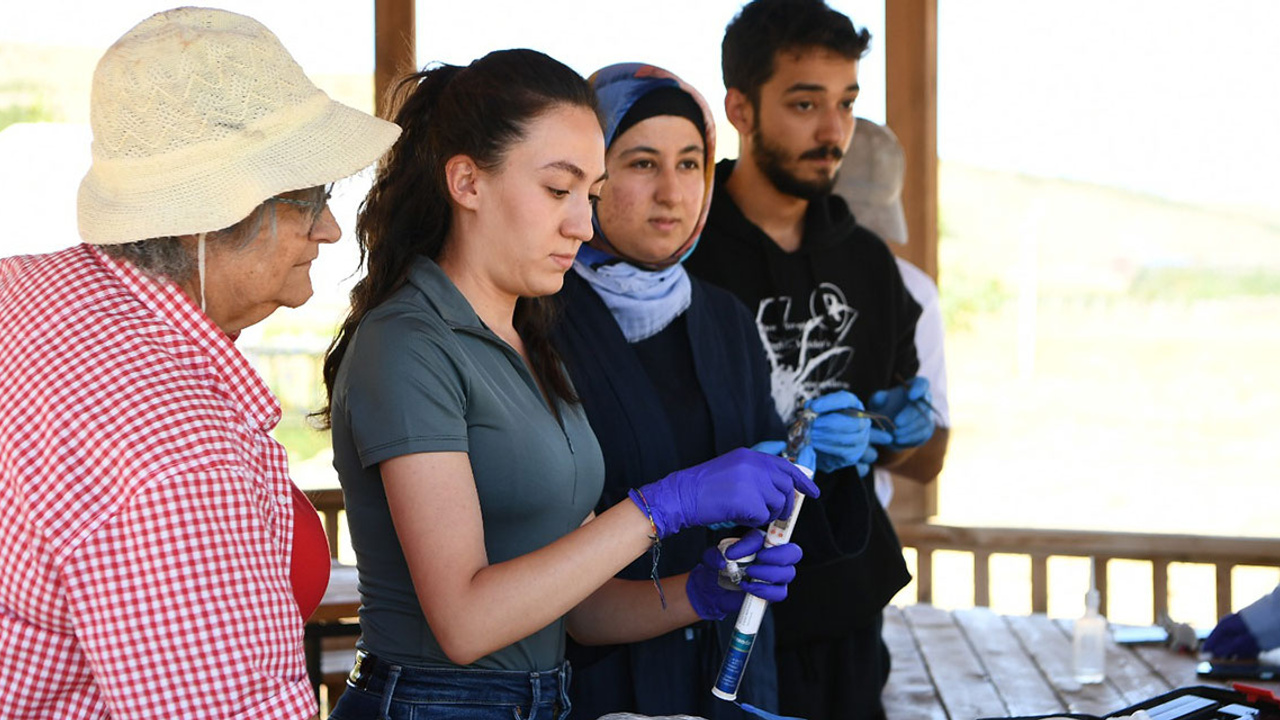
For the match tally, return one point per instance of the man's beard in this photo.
(771, 160)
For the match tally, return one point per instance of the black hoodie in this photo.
(834, 315)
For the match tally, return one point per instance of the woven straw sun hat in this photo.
(198, 116)
(871, 179)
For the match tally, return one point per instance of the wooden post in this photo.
(329, 503)
(1159, 589)
(1100, 581)
(911, 55)
(1222, 584)
(1039, 583)
(981, 578)
(395, 47)
(924, 574)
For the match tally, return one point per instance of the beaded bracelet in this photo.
(656, 549)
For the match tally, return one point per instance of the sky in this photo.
(1175, 98)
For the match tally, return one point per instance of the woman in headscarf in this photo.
(156, 561)
(671, 372)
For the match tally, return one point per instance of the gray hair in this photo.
(167, 258)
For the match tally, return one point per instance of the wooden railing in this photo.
(329, 504)
(1160, 550)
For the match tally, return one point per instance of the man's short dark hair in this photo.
(763, 28)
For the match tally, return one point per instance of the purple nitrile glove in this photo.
(839, 437)
(807, 458)
(742, 486)
(773, 567)
(1231, 639)
(908, 406)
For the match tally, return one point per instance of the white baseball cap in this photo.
(871, 178)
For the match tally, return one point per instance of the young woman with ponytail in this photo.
(468, 467)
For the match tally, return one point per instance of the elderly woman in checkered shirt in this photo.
(155, 558)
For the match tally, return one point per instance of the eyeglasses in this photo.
(316, 208)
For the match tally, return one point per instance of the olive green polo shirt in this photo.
(423, 374)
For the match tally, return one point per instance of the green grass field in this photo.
(1109, 358)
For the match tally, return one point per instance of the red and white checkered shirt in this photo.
(145, 513)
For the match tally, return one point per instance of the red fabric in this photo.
(309, 567)
(145, 517)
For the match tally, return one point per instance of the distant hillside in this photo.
(1088, 240)
(992, 212)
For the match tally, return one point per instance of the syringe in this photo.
(752, 612)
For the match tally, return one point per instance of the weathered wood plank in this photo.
(909, 694)
(1132, 678)
(1178, 669)
(1010, 669)
(1175, 668)
(974, 663)
(961, 681)
(1051, 651)
(1083, 543)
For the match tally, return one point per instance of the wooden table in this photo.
(957, 665)
(968, 664)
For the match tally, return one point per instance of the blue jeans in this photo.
(403, 692)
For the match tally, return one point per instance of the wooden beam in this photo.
(911, 78)
(1225, 551)
(395, 47)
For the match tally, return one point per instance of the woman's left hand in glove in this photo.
(715, 591)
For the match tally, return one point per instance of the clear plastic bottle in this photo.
(1089, 643)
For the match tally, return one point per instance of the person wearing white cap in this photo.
(155, 558)
(870, 181)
